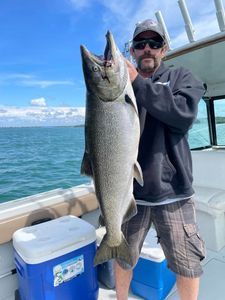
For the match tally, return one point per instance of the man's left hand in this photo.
(132, 70)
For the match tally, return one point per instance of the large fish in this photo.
(112, 132)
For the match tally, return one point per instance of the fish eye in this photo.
(95, 68)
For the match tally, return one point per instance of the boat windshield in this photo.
(219, 107)
(209, 128)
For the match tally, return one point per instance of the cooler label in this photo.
(68, 270)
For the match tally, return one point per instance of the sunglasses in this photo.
(153, 44)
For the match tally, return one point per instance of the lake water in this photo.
(35, 160)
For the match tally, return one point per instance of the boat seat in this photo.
(209, 199)
(209, 186)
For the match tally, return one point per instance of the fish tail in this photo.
(105, 252)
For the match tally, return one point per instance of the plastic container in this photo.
(152, 280)
(106, 274)
(54, 260)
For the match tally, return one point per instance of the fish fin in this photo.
(131, 211)
(121, 252)
(138, 174)
(86, 165)
(101, 220)
(129, 100)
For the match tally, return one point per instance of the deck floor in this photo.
(212, 285)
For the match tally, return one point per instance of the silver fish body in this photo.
(112, 133)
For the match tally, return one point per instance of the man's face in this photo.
(148, 59)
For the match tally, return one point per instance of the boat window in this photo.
(199, 134)
(219, 108)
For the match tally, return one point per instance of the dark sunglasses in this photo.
(153, 44)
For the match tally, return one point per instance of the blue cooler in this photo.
(54, 260)
(152, 280)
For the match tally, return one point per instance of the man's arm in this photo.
(176, 108)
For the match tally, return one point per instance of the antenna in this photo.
(160, 20)
(126, 51)
(220, 14)
(187, 20)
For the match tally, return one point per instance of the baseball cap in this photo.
(148, 25)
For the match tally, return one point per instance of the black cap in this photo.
(148, 25)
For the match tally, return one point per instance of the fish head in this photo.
(105, 76)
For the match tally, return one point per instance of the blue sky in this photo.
(40, 63)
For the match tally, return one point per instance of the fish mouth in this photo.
(87, 55)
(106, 75)
(110, 49)
(109, 56)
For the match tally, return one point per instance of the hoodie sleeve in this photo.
(174, 104)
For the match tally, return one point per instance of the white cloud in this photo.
(44, 83)
(41, 116)
(30, 80)
(13, 76)
(8, 78)
(38, 102)
(79, 4)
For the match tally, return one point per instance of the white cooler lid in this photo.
(151, 249)
(48, 240)
(100, 232)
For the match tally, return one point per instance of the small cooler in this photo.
(152, 280)
(54, 260)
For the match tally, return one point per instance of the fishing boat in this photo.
(205, 58)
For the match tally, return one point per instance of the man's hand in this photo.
(132, 70)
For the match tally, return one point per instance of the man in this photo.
(167, 101)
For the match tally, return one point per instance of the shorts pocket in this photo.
(195, 246)
(190, 229)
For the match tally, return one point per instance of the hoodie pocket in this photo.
(168, 169)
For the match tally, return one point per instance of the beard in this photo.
(147, 63)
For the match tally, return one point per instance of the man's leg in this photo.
(177, 231)
(135, 231)
(123, 279)
(187, 288)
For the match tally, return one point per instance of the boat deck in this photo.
(214, 267)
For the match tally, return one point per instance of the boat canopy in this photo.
(205, 58)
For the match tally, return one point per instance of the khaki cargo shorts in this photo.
(177, 233)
